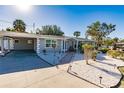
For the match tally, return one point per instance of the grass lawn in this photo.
(122, 81)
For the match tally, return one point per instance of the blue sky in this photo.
(69, 18)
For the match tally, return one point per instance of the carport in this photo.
(17, 41)
(20, 43)
(23, 55)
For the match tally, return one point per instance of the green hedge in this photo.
(104, 50)
(114, 53)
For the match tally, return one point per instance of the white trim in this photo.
(2, 46)
(77, 44)
(29, 35)
(64, 46)
(61, 45)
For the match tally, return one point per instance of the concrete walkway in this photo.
(105, 67)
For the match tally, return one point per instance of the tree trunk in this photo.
(87, 62)
(94, 58)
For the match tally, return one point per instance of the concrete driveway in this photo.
(42, 78)
(27, 73)
(104, 67)
(17, 61)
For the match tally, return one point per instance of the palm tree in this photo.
(19, 25)
(93, 31)
(76, 33)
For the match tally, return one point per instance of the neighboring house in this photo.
(120, 46)
(27, 41)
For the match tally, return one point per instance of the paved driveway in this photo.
(25, 64)
(21, 61)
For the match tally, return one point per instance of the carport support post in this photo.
(38, 45)
(8, 44)
(2, 45)
(64, 45)
(61, 46)
(77, 46)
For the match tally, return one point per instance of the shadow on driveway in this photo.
(107, 63)
(17, 61)
(114, 74)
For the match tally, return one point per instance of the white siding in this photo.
(49, 49)
(11, 44)
(0, 42)
(5, 44)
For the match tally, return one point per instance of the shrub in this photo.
(122, 58)
(104, 50)
(113, 53)
(81, 49)
(122, 53)
(87, 46)
(94, 55)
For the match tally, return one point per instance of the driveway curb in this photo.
(81, 77)
(116, 86)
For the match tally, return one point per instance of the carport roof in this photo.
(30, 35)
(80, 39)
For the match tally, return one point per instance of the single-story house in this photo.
(27, 41)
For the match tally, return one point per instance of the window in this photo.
(51, 43)
(16, 41)
(48, 43)
(30, 41)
